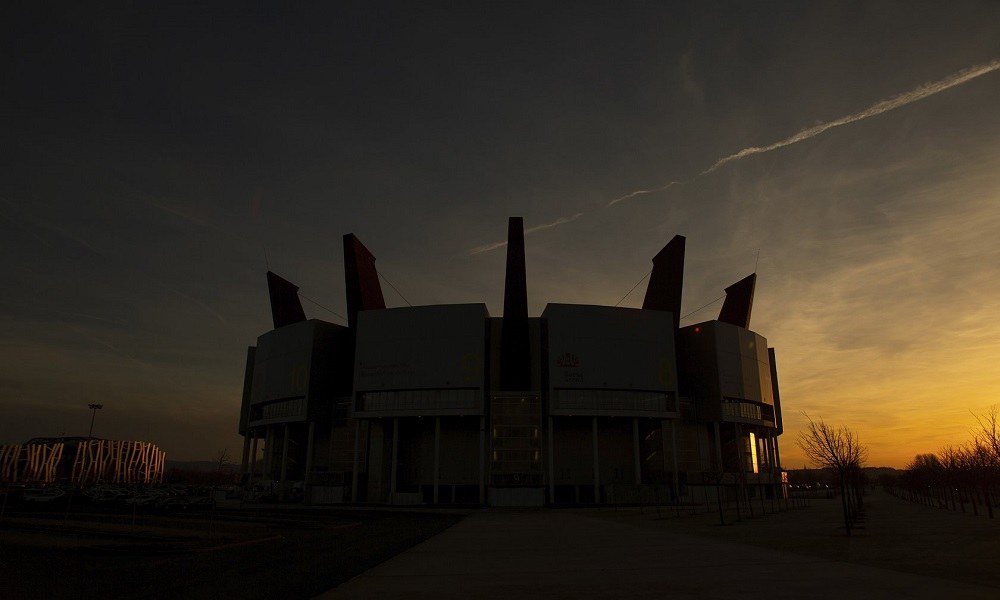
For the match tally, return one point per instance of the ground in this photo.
(270, 553)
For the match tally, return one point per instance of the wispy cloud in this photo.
(643, 192)
(487, 247)
(556, 223)
(898, 101)
(884, 106)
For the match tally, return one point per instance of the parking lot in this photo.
(77, 546)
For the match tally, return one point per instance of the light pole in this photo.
(94, 408)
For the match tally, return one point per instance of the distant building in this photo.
(82, 461)
(446, 404)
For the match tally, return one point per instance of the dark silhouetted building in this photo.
(447, 404)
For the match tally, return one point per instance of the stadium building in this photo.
(447, 404)
(82, 461)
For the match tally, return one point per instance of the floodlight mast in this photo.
(94, 408)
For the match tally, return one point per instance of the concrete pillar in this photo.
(777, 454)
(357, 459)
(552, 463)
(245, 465)
(482, 460)
(284, 464)
(329, 449)
(635, 450)
(718, 448)
(779, 488)
(253, 454)
(437, 456)
(395, 459)
(663, 442)
(309, 451)
(597, 465)
(673, 454)
(268, 452)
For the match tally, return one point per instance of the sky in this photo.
(157, 160)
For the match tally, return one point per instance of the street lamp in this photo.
(94, 408)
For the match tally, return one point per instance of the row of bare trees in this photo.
(965, 478)
(838, 449)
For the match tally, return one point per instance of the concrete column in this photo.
(245, 465)
(395, 458)
(253, 455)
(673, 457)
(357, 459)
(284, 464)
(740, 456)
(437, 456)
(777, 454)
(718, 448)
(268, 452)
(776, 469)
(765, 444)
(329, 449)
(482, 460)
(663, 442)
(635, 450)
(309, 452)
(552, 463)
(597, 465)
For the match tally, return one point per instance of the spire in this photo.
(666, 283)
(739, 302)
(515, 291)
(515, 347)
(285, 306)
(361, 279)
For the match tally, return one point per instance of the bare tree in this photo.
(223, 460)
(837, 449)
(986, 453)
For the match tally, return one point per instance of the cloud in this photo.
(883, 106)
(530, 230)
(556, 223)
(643, 192)
(900, 100)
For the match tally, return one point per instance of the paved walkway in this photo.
(555, 554)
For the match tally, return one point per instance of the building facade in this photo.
(446, 404)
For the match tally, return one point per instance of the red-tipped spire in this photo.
(739, 302)
(666, 284)
(361, 279)
(285, 305)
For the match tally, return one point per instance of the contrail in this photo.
(643, 192)
(556, 223)
(883, 106)
(899, 101)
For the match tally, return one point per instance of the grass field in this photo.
(893, 534)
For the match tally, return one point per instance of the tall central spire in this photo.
(515, 291)
(515, 348)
